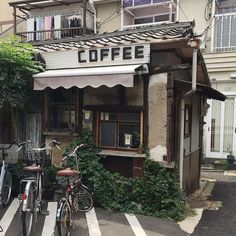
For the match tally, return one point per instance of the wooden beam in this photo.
(14, 20)
(167, 68)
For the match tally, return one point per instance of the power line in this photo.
(182, 11)
(118, 12)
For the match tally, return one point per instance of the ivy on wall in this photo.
(156, 193)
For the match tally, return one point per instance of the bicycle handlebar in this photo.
(10, 145)
(73, 153)
(28, 142)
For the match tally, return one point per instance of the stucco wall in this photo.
(157, 98)
(108, 17)
(109, 96)
(101, 96)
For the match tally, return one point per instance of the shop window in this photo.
(187, 121)
(62, 110)
(119, 130)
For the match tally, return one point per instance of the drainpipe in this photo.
(95, 15)
(189, 93)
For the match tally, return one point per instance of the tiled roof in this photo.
(147, 34)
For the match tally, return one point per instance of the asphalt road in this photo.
(98, 222)
(223, 221)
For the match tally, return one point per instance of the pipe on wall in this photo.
(182, 111)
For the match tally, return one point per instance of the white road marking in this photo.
(49, 223)
(9, 215)
(135, 225)
(188, 225)
(92, 222)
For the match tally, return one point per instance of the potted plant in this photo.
(230, 158)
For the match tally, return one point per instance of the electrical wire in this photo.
(182, 11)
(111, 17)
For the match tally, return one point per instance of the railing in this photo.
(135, 3)
(225, 33)
(58, 34)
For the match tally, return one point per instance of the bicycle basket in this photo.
(44, 158)
(12, 154)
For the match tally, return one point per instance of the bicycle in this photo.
(77, 197)
(5, 177)
(31, 198)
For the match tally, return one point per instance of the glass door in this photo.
(221, 128)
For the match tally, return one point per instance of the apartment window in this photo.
(62, 110)
(153, 19)
(130, 3)
(225, 26)
(119, 130)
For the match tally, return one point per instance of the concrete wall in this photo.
(194, 10)
(5, 13)
(109, 96)
(108, 17)
(157, 116)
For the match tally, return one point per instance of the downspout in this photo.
(182, 107)
(95, 15)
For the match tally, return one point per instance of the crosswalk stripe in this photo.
(9, 215)
(135, 225)
(92, 222)
(49, 223)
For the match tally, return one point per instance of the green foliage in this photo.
(156, 193)
(16, 69)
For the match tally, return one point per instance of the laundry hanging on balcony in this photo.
(53, 27)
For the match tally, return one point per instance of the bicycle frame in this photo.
(3, 175)
(3, 172)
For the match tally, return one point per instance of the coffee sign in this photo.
(112, 54)
(94, 57)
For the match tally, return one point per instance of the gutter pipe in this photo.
(95, 15)
(182, 107)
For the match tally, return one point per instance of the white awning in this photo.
(109, 76)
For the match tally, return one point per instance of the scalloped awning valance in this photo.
(109, 76)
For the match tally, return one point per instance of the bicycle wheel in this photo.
(64, 218)
(7, 187)
(28, 211)
(83, 200)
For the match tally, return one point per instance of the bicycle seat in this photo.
(67, 172)
(33, 168)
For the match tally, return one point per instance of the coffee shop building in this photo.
(142, 92)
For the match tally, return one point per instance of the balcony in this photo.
(46, 35)
(148, 12)
(141, 3)
(51, 20)
(225, 32)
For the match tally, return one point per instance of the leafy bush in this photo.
(156, 193)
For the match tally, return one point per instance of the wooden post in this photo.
(84, 16)
(80, 110)
(14, 21)
(170, 118)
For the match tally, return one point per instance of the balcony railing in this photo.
(225, 33)
(136, 3)
(58, 34)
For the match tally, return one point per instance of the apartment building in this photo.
(125, 70)
(216, 21)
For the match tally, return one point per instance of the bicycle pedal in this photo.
(45, 212)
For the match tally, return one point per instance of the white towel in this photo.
(30, 27)
(39, 27)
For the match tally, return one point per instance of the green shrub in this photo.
(156, 193)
